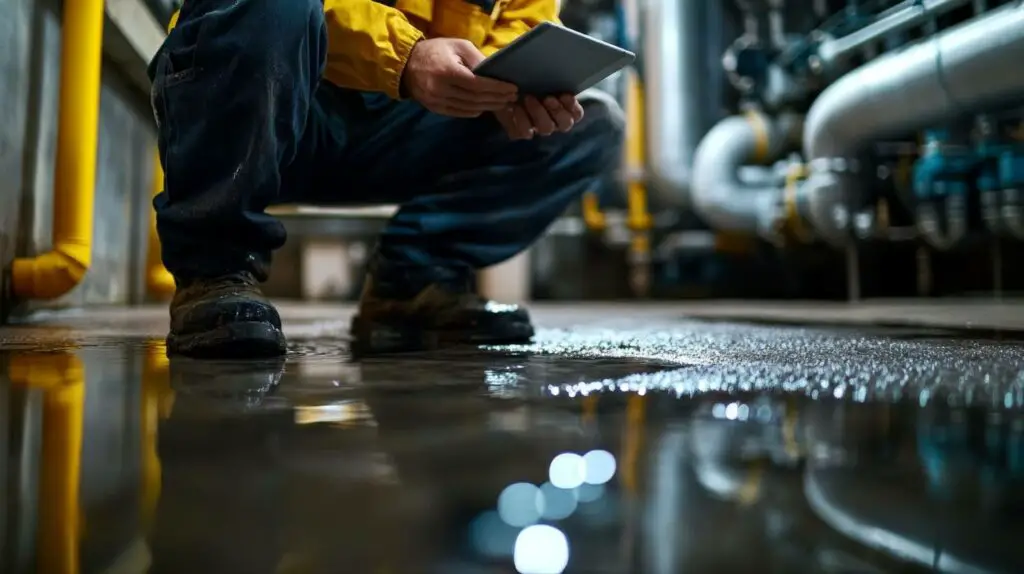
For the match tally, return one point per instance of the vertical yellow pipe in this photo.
(56, 272)
(592, 215)
(638, 218)
(61, 376)
(159, 282)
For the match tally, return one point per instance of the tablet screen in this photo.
(553, 60)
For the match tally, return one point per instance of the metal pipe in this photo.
(674, 81)
(966, 69)
(56, 272)
(901, 18)
(720, 196)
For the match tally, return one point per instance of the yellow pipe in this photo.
(159, 282)
(638, 218)
(61, 376)
(53, 274)
(592, 215)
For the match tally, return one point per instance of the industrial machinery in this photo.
(839, 139)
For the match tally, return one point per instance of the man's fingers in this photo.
(574, 106)
(508, 123)
(562, 116)
(539, 116)
(523, 122)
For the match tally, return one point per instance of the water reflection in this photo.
(117, 458)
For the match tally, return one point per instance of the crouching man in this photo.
(357, 102)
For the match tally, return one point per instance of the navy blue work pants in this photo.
(245, 123)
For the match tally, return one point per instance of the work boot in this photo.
(399, 311)
(226, 317)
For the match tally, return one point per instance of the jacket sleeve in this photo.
(517, 18)
(369, 44)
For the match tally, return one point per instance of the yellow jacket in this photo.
(369, 42)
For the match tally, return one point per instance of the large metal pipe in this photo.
(720, 196)
(967, 69)
(675, 74)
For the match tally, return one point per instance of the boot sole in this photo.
(376, 337)
(244, 340)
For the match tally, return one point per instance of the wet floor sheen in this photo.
(664, 447)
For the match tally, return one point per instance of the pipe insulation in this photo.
(970, 68)
(752, 202)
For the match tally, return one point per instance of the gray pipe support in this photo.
(720, 196)
(967, 69)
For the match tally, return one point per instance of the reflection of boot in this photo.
(223, 503)
(231, 384)
(404, 309)
(225, 317)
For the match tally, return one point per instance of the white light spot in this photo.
(567, 470)
(732, 411)
(541, 549)
(599, 467)
(517, 504)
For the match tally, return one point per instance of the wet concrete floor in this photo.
(614, 444)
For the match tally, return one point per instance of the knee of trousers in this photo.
(601, 109)
(249, 32)
(599, 138)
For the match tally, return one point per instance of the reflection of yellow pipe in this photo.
(61, 376)
(636, 407)
(53, 274)
(159, 282)
(589, 409)
(157, 399)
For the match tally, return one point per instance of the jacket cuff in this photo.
(406, 37)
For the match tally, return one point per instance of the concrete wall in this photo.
(29, 83)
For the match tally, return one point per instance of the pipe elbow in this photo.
(160, 282)
(51, 274)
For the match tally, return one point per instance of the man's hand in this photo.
(439, 75)
(533, 116)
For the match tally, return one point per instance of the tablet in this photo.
(553, 60)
